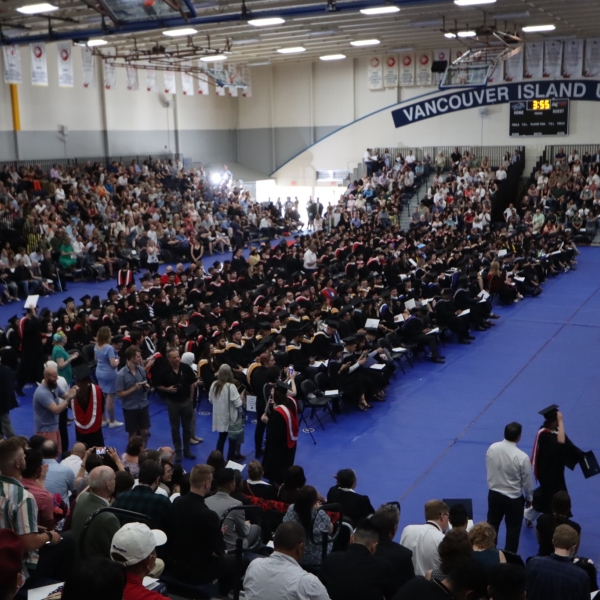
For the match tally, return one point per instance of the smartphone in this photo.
(291, 370)
(101, 451)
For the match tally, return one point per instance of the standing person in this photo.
(132, 388)
(63, 362)
(310, 259)
(107, 359)
(87, 410)
(227, 418)
(31, 366)
(48, 402)
(175, 383)
(8, 401)
(510, 485)
(282, 434)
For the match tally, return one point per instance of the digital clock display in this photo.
(539, 117)
(539, 105)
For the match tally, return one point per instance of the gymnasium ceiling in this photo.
(319, 27)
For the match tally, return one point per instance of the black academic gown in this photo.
(33, 354)
(278, 457)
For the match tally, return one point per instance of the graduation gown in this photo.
(280, 448)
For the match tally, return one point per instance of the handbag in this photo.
(236, 419)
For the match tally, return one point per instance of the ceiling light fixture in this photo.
(534, 28)
(264, 63)
(213, 58)
(509, 16)
(180, 32)
(97, 42)
(463, 34)
(379, 10)
(266, 22)
(359, 43)
(245, 41)
(449, 35)
(34, 9)
(293, 50)
(332, 57)
(472, 2)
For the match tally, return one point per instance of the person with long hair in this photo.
(107, 361)
(227, 406)
(87, 409)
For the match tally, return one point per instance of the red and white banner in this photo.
(187, 81)
(390, 71)
(219, 90)
(424, 68)
(65, 64)
(203, 87)
(88, 65)
(151, 85)
(110, 71)
(170, 86)
(440, 55)
(375, 73)
(553, 54)
(497, 75)
(133, 82)
(247, 91)
(513, 68)
(591, 64)
(12, 64)
(572, 59)
(39, 65)
(534, 60)
(407, 69)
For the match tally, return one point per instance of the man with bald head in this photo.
(74, 460)
(48, 402)
(101, 530)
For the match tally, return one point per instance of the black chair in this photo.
(323, 383)
(396, 341)
(397, 354)
(315, 400)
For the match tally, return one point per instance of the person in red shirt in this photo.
(32, 480)
(134, 547)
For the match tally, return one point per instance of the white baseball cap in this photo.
(134, 542)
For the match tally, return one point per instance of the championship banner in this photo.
(133, 82)
(572, 59)
(407, 69)
(12, 64)
(513, 68)
(390, 71)
(591, 65)
(375, 73)
(88, 64)
(497, 75)
(170, 86)
(203, 87)
(151, 85)
(424, 68)
(232, 90)
(440, 55)
(496, 94)
(110, 71)
(187, 81)
(65, 64)
(39, 66)
(553, 53)
(534, 60)
(219, 90)
(247, 91)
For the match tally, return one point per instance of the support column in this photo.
(16, 116)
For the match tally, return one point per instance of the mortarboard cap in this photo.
(190, 330)
(589, 464)
(81, 371)
(67, 300)
(547, 412)
(332, 323)
(265, 325)
(336, 347)
(351, 339)
(111, 292)
(116, 339)
(13, 318)
(85, 298)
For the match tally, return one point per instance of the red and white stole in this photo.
(89, 420)
(291, 421)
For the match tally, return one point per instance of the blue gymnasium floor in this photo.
(429, 439)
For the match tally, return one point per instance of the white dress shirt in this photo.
(310, 260)
(73, 462)
(423, 540)
(509, 470)
(280, 577)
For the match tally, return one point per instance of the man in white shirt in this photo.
(500, 174)
(368, 160)
(310, 259)
(424, 540)
(280, 576)
(510, 483)
(74, 460)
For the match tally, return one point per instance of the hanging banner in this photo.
(407, 69)
(375, 73)
(110, 72)
(497, 75)
(553, 53)
(170, 84)
(591, 65)
(440, 55)
(572, 59)
(232, 90)
(88, 64)
(513, 68)
(12, 64)
(133, 82)
(151, 80)
(187, 81)
(39, 66)
(220, 90)
(203, 87)
(424, 68)
(534, 60)
(65, 64)
(247, 91)
(390, 71)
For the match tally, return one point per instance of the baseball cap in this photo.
(134, 542)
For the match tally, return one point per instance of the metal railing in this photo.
(581, 149)
(495, 154)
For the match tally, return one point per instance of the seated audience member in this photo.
(32, 480)
(506, 582)
(316, 522)
(280, 576)
(11, 564)
(555, 577)
(134, 547)
(459, 518)
(100, 531)
(124, 482)
(546, 524)
(197, 548)
(483, 539)
(95, 579)
(59, 479)
(235, 523)
(467, 581)
(387, 519)
(423, 540)
(354, 506)
(131, 457)
(293, 481)
(74, 460)
(255, 486)
(357, 574)
(455, 547)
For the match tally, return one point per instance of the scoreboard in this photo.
(539, 117)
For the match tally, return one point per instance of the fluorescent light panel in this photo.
(332, 57)
(180, 32)
(449, 35)
(266, 22)
(34, 9)
(463, 34)
(472, 2)
(534, 28)
(293, 50)
(213, 58)
(380, 10)
(264, 63)
(97, 42)
(245, 41)
(359, 43)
